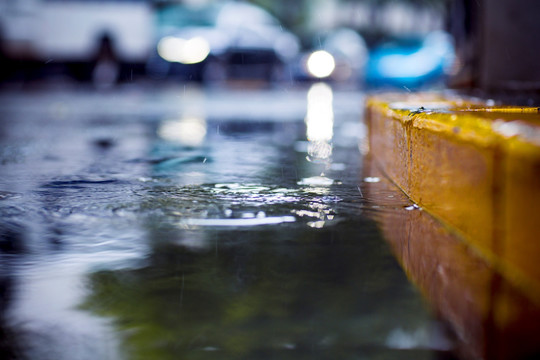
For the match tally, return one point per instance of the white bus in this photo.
(104, 33)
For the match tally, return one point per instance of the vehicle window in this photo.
(234, 14)
(175, 16)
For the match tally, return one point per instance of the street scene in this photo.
(197, 179)
(245, 231)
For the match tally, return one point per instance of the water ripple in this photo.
(235, 204)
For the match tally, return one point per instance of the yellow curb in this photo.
(475, 167)
(490, 318)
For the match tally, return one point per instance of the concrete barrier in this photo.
(489, 317)
(475, 167)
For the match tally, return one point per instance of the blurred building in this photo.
(99, 35)
(497, 45)
(391, 18)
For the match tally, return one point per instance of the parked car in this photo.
(94, 37)
(219, 42)
(410, 63)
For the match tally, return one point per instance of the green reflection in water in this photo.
(286, 291)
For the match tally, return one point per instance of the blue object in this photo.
(412, 64)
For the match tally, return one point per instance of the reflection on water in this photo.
(122, 239)
(190, 127)
(319, 131)
(242, 204)
(276, 292)
(185, 131)
(320, 122)
(119, 239)
(320, 113)
(491, 317)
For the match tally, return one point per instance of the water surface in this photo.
(180, 231)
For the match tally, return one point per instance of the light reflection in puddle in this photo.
(488, 314)
(297, 287)
(243, 205)
(372, 179)
(413, 207)
(319, 129)
(271, 220)
(316, 181)
(189, 131)
(179, 256)
(316, 224)
(320, 113)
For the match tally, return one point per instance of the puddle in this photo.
(237, 205)
(372, 179)
(236, 241)
(244, 221)
(317, 181)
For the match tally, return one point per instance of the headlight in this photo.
(190, 51)
(321, 64)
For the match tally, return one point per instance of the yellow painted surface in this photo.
(393, 147)
(454, 180)
(521, 245)
(490, 316)
(476, 167)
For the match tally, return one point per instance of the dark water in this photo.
(232, 227)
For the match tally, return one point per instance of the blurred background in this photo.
(180, 178)
(369, 43)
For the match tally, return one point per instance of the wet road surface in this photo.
(175, 222)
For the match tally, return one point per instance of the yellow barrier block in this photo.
(476, 167)
(489, 316)
(521, 245)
